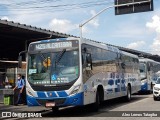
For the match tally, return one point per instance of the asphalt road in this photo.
(113, 108)
(141, 106)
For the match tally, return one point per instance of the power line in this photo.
(63, 7)
(30, 2)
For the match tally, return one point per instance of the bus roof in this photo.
(90, 42)
(100, 45)
(129, 54)
(87, 41)
(53, 40)
(108, 47)
(147, 60)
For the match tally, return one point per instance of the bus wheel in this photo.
(97, 103)
(55, 109)
(128, 96)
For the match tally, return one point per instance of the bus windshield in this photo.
(143, 72)
(53, 67)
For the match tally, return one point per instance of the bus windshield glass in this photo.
(59, 67)
(143, 71)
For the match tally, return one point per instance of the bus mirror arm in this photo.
(20, 58)
(20, 61)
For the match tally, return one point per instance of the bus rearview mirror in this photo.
(88, 62)
(88, 59)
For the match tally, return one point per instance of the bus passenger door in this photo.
(87, 73)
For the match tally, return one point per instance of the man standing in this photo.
(19, 87)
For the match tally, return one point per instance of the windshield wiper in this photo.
(60, 55)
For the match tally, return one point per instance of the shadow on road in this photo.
(86, 111)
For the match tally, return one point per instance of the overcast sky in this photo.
(140, 31)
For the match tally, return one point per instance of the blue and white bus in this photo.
(77, 72)
(148, 73)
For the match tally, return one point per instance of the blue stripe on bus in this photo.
(144, 87)
(62, 94)
(31, 101)
(51, 94)
(73, 100)
(41, 94)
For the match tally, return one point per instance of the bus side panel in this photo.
(144, 86)
(90, 88)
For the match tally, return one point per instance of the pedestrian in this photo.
(20, 88)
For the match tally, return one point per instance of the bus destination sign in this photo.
(53, 45)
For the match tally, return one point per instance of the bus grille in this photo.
(57, 101)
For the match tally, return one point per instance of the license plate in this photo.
(50, 104)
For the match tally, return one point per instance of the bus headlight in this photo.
(75, 90)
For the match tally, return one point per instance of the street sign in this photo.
(134, 6)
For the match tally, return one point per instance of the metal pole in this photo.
(80, 27)
(133, 3)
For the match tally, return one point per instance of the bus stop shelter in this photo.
(15, 37)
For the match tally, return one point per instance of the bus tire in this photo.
(55, 109)
(128, 96)
(97, 102)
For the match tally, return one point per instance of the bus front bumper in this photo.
(74, 100)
